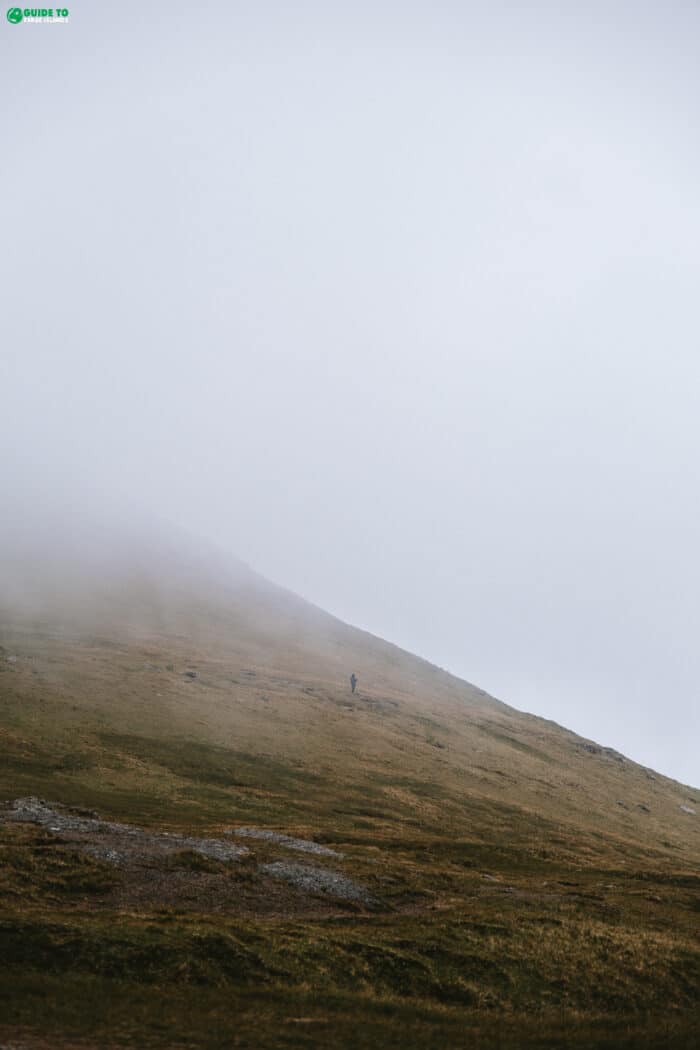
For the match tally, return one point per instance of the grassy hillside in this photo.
(520, 884)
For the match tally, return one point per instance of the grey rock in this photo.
(317, 880)
(287, 841)
(213, 848)
(132, 840)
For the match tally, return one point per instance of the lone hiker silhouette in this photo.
(353, 682)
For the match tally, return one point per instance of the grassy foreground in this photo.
(469, 944)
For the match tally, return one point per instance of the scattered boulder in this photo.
(191, 674)
(687, 809)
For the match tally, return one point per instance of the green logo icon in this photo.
(14, 15)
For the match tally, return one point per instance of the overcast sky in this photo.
(398, 302)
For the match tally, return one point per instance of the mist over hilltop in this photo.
(398, 306)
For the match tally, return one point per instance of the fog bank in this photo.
(395, 303)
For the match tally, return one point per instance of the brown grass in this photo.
(533, 889)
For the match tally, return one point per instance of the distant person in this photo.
(353, 681)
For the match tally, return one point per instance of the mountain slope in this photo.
(506, 864)
(272, 678)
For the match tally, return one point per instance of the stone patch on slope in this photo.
(135, 849)
(286, 841)
(317, 880)
(119, 841)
